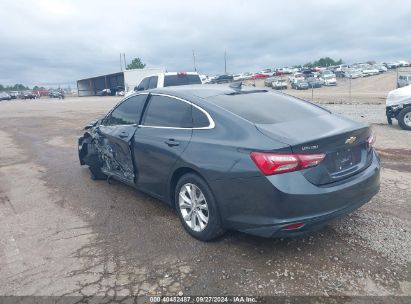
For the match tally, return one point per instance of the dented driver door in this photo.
(115, 146)
(116, 137)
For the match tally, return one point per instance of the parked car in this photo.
(296, 76)
(328, 80)
(339, 73)
(247, 76)
(398, 106)
(368, 70)
(381, 68)
(267, 72)
(242, 76)
(28, 95)
(222, 79)
(268, 81)
(326, 73)
(259, 76)
(299, 84)
(162, 80)
(208, 79)
(283, 71)
(103, 92)
(353, 73)
(13, 94)
(341, 67)
(403, 63)
(403, 80)
(4, 96)
(250, 160)
(237, 77)
(279, 84)
(391, 65)
(56, 94)
(307, 73)
(314, 82)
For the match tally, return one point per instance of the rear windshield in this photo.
(176, 80)
(268, 108)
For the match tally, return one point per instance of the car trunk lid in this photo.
(343, 142)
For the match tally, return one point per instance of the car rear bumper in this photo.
(264, 206)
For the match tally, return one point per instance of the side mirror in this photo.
(138, 88)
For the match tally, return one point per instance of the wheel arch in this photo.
(177, 174)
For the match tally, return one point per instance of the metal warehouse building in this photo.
(127, 79)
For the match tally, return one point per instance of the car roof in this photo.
(171, 74)
(196, 90)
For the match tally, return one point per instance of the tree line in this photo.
(16, 87)
(323, 62)
(19, 87)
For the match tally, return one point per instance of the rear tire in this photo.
(404, 118)
(197, 208)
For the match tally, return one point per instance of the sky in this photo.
(57, 42)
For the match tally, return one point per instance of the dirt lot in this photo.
(65, 234)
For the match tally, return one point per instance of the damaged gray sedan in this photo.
(259, 162)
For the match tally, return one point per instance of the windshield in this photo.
(181, 79)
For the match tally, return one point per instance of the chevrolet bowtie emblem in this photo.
(350, 140)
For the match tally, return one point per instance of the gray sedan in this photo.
(259, 162)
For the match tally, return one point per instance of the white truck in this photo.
(133, 77)
(161, 80)
(398, 106)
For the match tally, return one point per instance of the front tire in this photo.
(93, 161)
(404, 118)
(197, 208)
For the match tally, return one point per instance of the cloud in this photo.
(55, 42)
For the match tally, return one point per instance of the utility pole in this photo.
(225, 62)
(125, 64)
(194, 60)
(312, 91)
(121, 65)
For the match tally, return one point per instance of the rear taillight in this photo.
(276, 163)
(371, 140)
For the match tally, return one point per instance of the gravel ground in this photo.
(65, 234)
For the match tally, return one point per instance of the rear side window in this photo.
(200, 120)
(164, 111)
(181, 79)
(128, 112)
(153, 82)
(268, 108)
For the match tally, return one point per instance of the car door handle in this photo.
(123, 134)
(172, 142)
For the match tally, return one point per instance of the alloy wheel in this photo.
(407, 119)
(193, 207)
